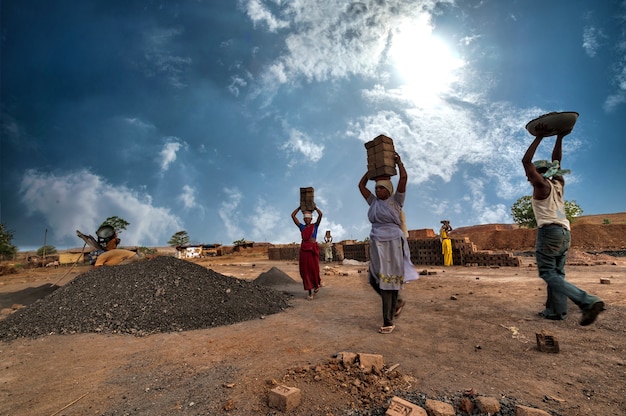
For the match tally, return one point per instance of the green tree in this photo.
(47, 250)
(119, 224)
(181, 238)
(572, 210)
(524, 216)
(7, 249)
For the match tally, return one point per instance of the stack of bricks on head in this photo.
(381, 162)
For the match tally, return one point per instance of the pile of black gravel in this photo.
(163, 294)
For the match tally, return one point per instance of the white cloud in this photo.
(82, 200)
(229, 213)
(329, 39)
(484, 213)
(264, 220)
(591, 41)
(300, 143)
(260, 14)
(188, 196)
(167, 155)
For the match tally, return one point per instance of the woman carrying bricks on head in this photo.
(446, 243)
(390, 258)
(309, 251)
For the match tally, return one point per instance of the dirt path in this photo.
(463, 328)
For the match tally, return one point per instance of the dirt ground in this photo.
(464, 329)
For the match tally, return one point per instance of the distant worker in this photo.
(446, 243)
(112, 243)
(553, 232)
(309, 262)
(328, 247)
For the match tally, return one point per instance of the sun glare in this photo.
(425, 64)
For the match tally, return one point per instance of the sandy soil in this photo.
(463, 328)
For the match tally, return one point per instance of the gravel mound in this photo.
(274, 277)
(163, 294)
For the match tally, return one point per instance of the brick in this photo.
(466, 405)
(284, 398)
(347, 358)
(547, 342)
(437, 408)
(529, 411)
(378, 140)
(400, 407)
(489, 405)
(605, 281)
(307, 202)
(368, 361)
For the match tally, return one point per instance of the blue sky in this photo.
(208, 116)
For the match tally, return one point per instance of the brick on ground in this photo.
(347, 358)
(401, 407)
(437, 408)
(529, 411)
(371, 360)
(489, 405)
(284, 398)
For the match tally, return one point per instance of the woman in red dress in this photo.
(309, 250)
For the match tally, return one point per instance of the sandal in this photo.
(399, 308)
(386, 329)
(309, 297)
(317, 289)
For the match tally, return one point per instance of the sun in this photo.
(425, 64)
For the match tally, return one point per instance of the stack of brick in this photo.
(380, 157)
(424, 251)
(357, 251)
(287, 252)
(307, 200)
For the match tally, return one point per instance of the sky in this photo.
(209, 116)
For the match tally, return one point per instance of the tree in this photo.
(181, 238)
(524, 216)
(119, 224)
(47, 250)
(7, 250)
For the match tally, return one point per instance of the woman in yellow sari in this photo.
(446, 243)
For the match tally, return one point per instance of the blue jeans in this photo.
(551, 252)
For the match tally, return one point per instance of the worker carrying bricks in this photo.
(446, 243)
(553, 232)
(390, 259)
(309, 262)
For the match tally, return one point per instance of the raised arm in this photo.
(541, 188)
(319, 215)
(363, 187)
(557, 152)
(294, 218)
(403, 176)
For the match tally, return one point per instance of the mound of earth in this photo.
(274, 277)
(163, 294)
(585, 236)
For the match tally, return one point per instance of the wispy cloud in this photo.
(167, 155)
(260, 14)
(229, 213)
(591, 40)
(188, 196)
(299, 142)
(161, 58)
